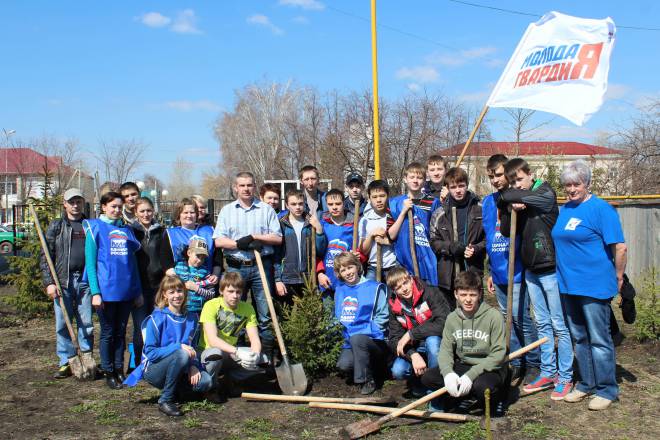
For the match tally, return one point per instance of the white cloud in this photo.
(154, 19)
(262, 20)
(564, 133)
(478, 97)
(185, 23)
(418, 74)
(463, 57)
(300, 19)
(305, 4)
(617, 91)
(189, 106)
(414, 87)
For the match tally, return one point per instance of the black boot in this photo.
(111, 380)
(170, 409)
(121, 377)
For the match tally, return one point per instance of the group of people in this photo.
(409, 296)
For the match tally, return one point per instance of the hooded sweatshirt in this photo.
(478, 341)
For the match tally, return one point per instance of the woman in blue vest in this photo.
(361, 308)
(175, 239)
(170, 360)
(114, 280)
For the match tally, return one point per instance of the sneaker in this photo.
(498, 409)
(63, 372)
(575, 396)
(561, 390)
(539, 384)
(369, 387)
(598, 403)
(436, 405)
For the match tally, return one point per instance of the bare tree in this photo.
(521, 125)
(119, 159)
(180, 184)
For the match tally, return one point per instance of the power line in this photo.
(530, 14)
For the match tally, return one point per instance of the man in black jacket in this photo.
(536, 205)
(467, 248)
(66, 244)
(417, 318)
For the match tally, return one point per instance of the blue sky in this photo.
(162, 71)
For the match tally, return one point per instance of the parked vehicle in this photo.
(7, 242)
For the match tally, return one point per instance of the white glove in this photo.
(451, 383)
(465, 385)
(246, 358)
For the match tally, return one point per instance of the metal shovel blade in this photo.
(291, 378)
(83, 366)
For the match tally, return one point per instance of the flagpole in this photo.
(474, 131)
(374, 73)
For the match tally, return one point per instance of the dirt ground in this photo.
(33, 405)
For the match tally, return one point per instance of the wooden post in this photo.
(474, 131)
(374, 74)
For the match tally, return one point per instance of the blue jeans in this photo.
(253, 283)
(523, 331)
(113, 317)
(589, 320)
(170, 372)
(139, 314)
(548, 312)
(428, 348)
(78, 302)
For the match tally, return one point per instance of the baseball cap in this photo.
(71, 193)
(198, 245)
(354, 177)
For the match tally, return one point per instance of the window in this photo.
(11, 187)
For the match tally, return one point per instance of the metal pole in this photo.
(374, 73)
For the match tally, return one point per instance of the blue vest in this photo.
(340, 239)
(195, 301)
(179, 238)
(426, 260)
(116, 266)
(172, 330)
(497, 245)
(355, 307)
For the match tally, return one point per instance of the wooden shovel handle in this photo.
(510, 277)
(356, 223)
(269, 300)
(312, 272)
(413, 249)
(454, 226)
(53, 274)
(379, 262)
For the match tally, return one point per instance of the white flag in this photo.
(560, 66)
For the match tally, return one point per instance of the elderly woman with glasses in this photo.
(591, 261)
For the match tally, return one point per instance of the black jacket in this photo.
(58, 239)
(446, 247)
(431, 298)
(534, 225)
(148, 257)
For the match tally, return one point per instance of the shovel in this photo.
(413, 249)
(385, 400)
(290, 377)
(82, 364)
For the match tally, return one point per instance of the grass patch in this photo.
(201, 405)
(535, 430)
(258, 429)
(192, 422)
(43, 383)
(468, 431)
(102, 409)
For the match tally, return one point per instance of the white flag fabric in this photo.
(560, 66)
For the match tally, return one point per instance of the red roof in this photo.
(26, 161)
(540, 148)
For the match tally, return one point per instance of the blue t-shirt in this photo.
(582, 236)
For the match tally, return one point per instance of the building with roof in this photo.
(543, 157)
(22, 172)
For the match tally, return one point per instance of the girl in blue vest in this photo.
(114, 280)
(176, 238)
(169, 360)
(361, 308)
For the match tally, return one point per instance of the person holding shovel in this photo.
(66, 244)
(373, 232)
(114, 279)
(473, 349)
(461, 247)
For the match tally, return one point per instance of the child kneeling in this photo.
(169, 361)
(361, 308)
(417, 318)
(473, 348)
(225, 320)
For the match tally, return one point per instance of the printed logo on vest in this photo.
(420, 233)
(335, 247)
(348, 309)
(118, 240)
(572, 224)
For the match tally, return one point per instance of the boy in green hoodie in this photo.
(473, 347)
